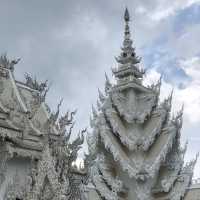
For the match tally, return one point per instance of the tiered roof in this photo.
(29, 130)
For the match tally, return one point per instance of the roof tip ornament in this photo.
(108, 85)
(127, 19)
(128, 55)
(54, 116)
(126, 15)
(101, 96)
(94, 112)
(8, 64)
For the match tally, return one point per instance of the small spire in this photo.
(108, 85)
(128, 54)
(170, 97)
(94, 112)
(101, 96)
(196, 158)
(91, 122)
(127, 60)
(127, 29)
(126, 15)
(54, 116)
(98, 105)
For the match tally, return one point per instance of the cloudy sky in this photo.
(73, 43)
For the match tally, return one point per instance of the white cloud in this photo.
(192, 68)
(165, 8)
(190, 95)
(91, 28)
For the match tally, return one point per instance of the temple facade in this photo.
(134, 148)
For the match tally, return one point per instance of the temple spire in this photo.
(126, 15)
(127, 19)
(128, 60)
(128, 52)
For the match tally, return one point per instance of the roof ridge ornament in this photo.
(126, 15)
(34, 83)
(6, 63)
(127, 28)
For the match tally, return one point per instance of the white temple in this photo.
(134, 148)
(36, 155)
(135, 139)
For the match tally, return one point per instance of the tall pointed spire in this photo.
(127, 35)
(126, 15)
(127, 59)
(127, 19)
(128, 52)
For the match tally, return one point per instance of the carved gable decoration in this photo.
(46, 184)
(135, 108)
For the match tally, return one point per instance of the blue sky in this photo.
(74, 44)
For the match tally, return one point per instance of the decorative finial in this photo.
(108, 85)
(127, 31)
(6, 63)
(128, 54)
(126, 15)
(101, 96)
(128, 58)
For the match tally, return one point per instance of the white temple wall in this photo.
(92, 194)
(17, 170)
(133, 186)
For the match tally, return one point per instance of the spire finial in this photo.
(127, 31)
(128, 59)
(126, 15)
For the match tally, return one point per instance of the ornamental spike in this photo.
(108, 85)
(192, 163)
(68, 135)
(171, 95)
(126, 15)
(79, 140)
(182, 108)
(157, 89)
(88, 138)
(98, 105)
(157, 86)
(127, 34)
(54, 117)
(196, 158)
(180, 112)
(169, 100)
(178, 120)
(58, 107)
(160, 81)
(101, 96)
(185, 148)
(94, 112)
(91, 122)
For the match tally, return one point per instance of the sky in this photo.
(73, 43)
